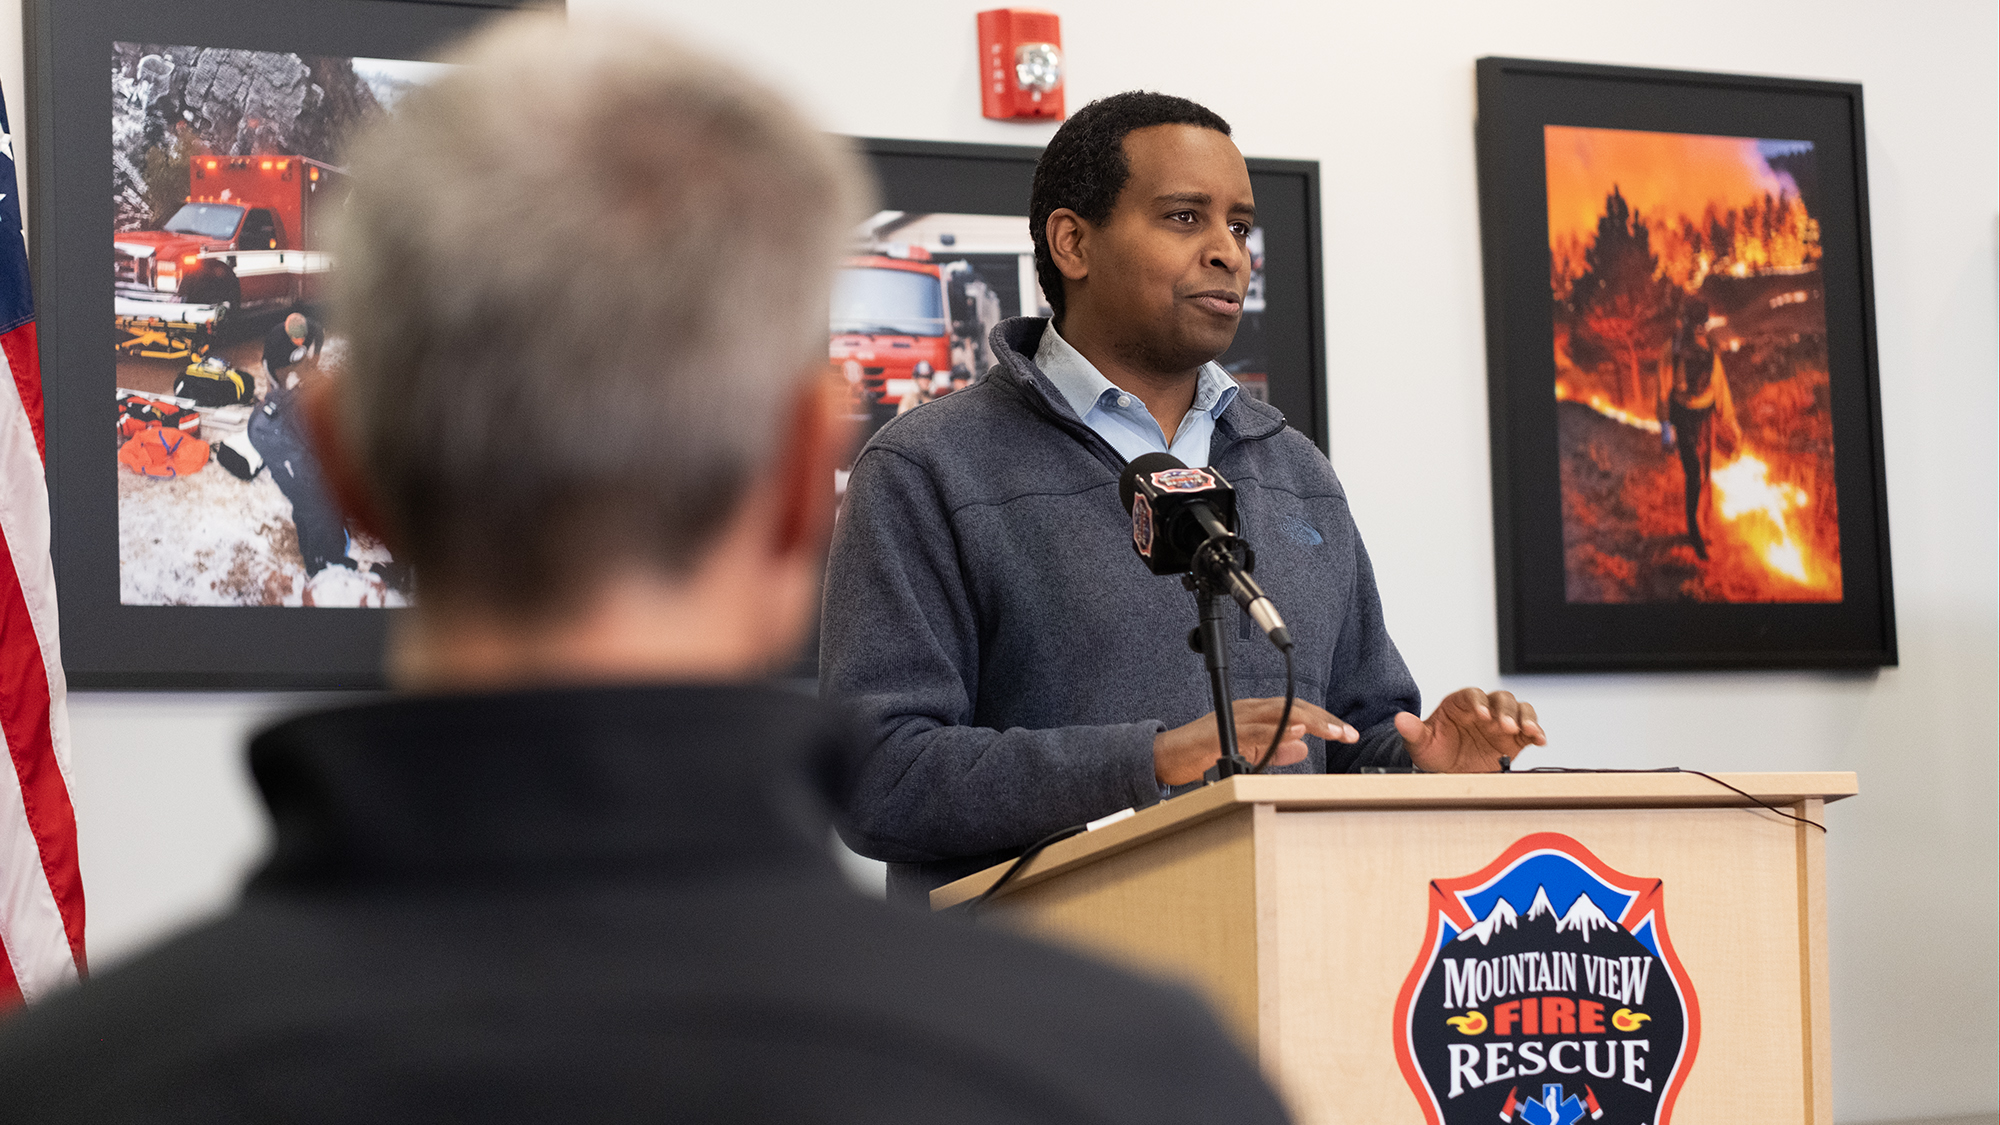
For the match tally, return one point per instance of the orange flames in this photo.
(1712, 204)
(1603, 406)
(1768, 540)
(1759, 509)
(1770, 234)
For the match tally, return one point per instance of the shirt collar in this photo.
(1083, 386)
(553, 780)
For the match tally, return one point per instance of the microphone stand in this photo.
(1211, 639)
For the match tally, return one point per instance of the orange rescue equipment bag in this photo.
(159, 452)
(136, 413)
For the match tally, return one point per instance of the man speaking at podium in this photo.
(985, 612)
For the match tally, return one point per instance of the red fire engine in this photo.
(888, 317)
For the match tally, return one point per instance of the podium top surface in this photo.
(1521, 789)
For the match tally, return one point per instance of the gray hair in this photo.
(583, 278)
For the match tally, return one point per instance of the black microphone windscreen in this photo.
(1144, 465)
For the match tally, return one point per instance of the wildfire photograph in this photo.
(1695, 430)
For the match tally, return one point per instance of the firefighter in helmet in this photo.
(1694, 408)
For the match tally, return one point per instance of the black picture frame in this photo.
(106, 644)
(1540, 629)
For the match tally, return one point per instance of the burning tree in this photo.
(1620, 302)
(1565, 266)
(1771, 232)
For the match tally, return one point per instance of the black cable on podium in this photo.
(1752, 798)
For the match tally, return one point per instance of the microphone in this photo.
(1184, 520)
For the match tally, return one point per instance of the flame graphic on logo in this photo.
(1471, 1023)
(1625, 1019)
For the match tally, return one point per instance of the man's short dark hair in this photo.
(1084, 168)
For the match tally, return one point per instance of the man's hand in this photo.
(1183, 754)
(1470, 732)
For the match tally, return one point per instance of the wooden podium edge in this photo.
(1816, 994)
(1319, 792)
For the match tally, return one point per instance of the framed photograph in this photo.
(194, 543)
(1686, 414)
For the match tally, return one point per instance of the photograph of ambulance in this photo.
(226, 170)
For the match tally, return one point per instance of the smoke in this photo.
(1663, 175)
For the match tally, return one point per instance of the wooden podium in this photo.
(1300, 906)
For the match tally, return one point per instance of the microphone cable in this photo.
(973, 905)
(1284, 716)
(1752, 798)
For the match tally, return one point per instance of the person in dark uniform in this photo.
(289, 343)
(280, 441)
(1693, 388)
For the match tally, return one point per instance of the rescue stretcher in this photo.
(164, 329)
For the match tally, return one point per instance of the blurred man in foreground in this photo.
(577, 870)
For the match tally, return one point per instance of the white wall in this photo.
(1382, 96)
(167, 821)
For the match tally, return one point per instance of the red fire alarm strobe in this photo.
(1020, 64)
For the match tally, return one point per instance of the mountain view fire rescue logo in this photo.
(1548, 993)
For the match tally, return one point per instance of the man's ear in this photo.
(318, 410)
(818, 437)
(1069, 237)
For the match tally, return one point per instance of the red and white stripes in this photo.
(41, 890)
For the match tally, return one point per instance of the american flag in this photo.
(41, 891)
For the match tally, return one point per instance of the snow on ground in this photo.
(211, 539)
(206, 539)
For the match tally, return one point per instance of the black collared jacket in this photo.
(596, 905)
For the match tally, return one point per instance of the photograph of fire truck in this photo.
(915, 301)
(226, 167)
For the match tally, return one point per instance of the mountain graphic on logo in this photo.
(1502, 914)
(1582, 918)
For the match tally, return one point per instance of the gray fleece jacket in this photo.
(986, 615)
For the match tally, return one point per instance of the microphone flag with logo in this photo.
(1184, 522)
(1175, 509)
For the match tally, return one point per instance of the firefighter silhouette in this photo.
(1694, 408)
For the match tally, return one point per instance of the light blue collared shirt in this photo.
(1120, 417)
